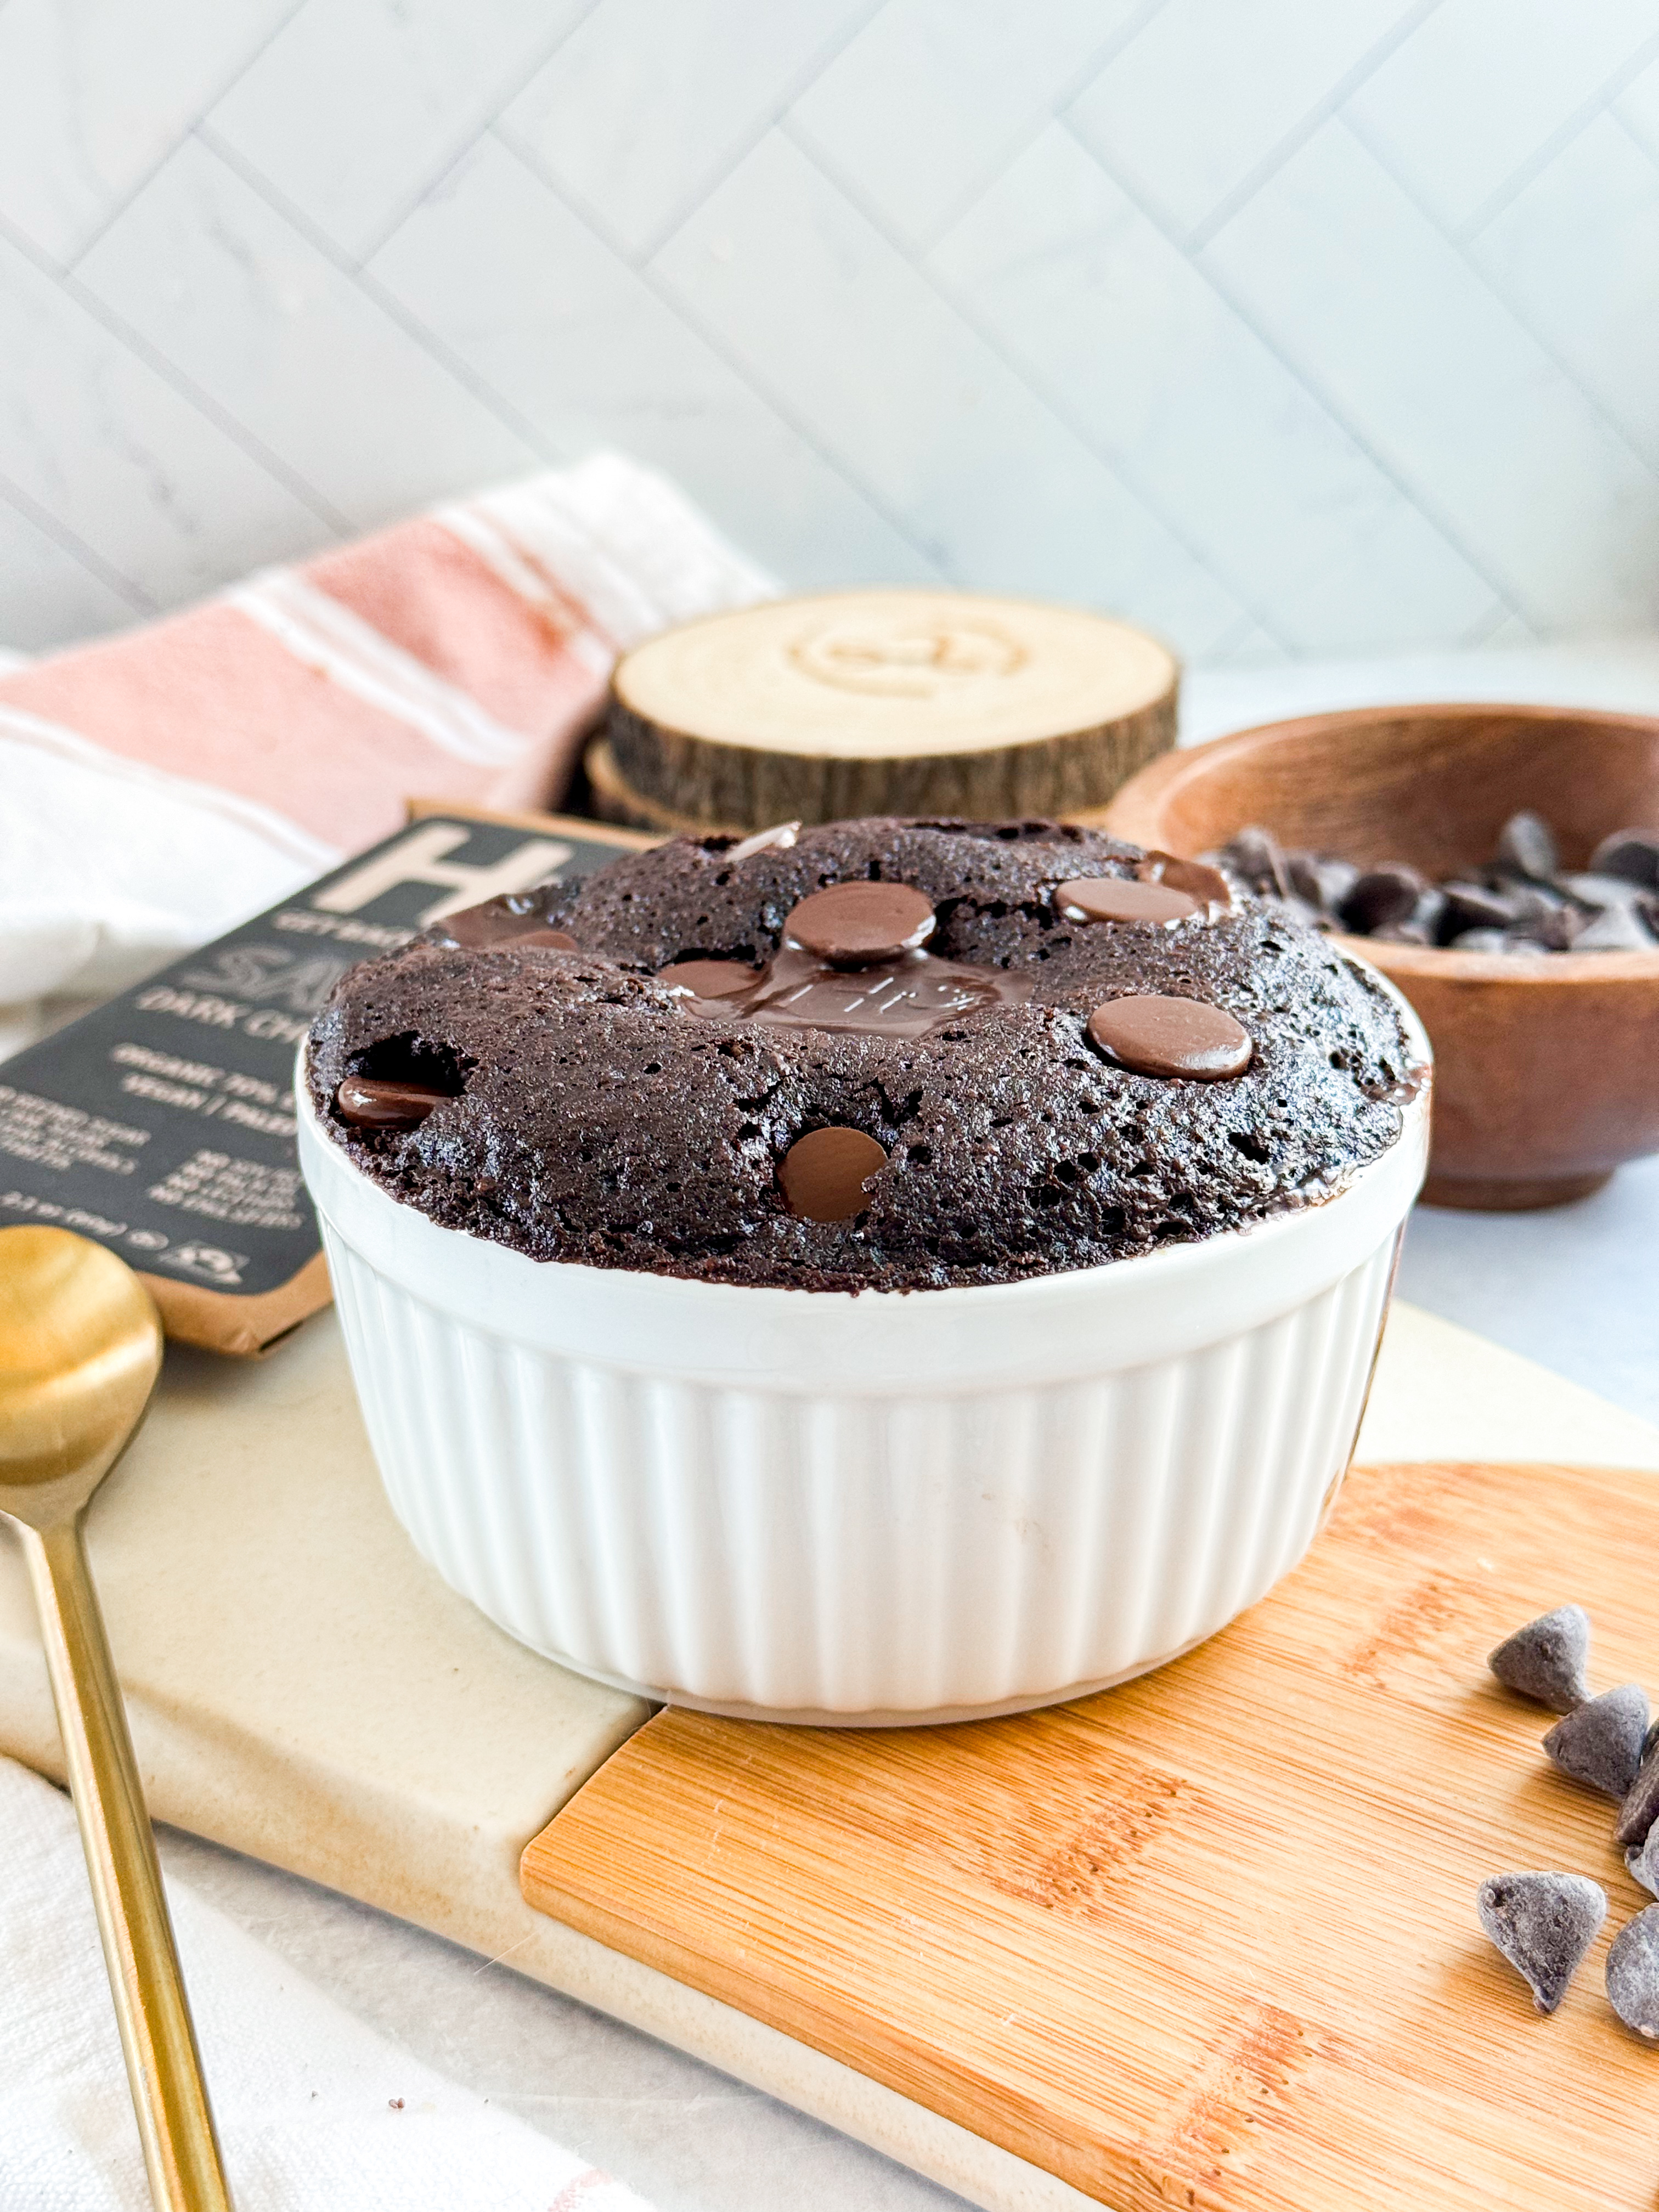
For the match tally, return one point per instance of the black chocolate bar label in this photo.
(162, 1124)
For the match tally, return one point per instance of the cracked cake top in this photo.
(888, 1054)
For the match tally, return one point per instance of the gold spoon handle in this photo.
(175, 2123)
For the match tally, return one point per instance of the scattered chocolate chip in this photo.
(1118, 898)
(1546, 1660)
(852, 924)
(1171, 1037)
(372, 1105)
(1198, 878)
(1601, 1741)
(1642, 1861)
(708, 979)
(1543, 1923)
(1527, 844)
(1639, 1813)
(1381, 897)
(1632, 854)
(826, 1174)
(1633, 1973)
(778, 839)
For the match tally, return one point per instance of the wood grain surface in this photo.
(1208, 1939)
(884, 702)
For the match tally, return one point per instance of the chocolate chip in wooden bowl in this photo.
(708, 979)
(1600, 1742)
(1172, 1037)
(852, 925)
(1547, 1660)
(368, 1104)
(1638, 1816)
(1381, 897)
(1121, 898)
(826, 1174)
(1633, 1973)
(1527, 846)
(1616, 929)
(1632, 854)
(1543, 1923)
(1259, 859)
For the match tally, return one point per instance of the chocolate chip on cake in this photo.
(708, 979)
(779, 838)
(617, 1118)
(1633, 1973)
(371, 1105)
(826, 1174)
(1206, 885)
(1543, 1923)
(1174, 1037)
(1600, 1742)
(852, 924)
(1547, 1660)
(1117, 898)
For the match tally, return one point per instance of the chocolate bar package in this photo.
(162, 1124)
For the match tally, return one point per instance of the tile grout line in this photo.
(757, 388)
(1339, 415)
(51, 525)
(379, 295)
(1599, 103)
(1069, 88)
(82, 295)
(637, 257)
(1545, 345)
(1322, 109)
(480, 127)
(1036, 389)
(219, 93)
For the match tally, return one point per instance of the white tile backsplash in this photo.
(815, 303)
(1493, 437)
(257, 316)
(1460, 110)
(1110, 319)
(1291, 330)
(355, 104)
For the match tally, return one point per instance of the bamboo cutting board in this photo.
(1208, 1939)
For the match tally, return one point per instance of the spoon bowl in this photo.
(80, 1352)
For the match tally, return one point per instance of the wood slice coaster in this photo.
(889, 702)
(615, 799)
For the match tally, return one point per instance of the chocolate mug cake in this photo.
(900, 1054)
(890, 1272)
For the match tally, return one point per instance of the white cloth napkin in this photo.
(316, 2113)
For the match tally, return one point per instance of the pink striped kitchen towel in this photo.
(157, 787)
(460, 654)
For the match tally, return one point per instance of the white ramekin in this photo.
(892, 1507)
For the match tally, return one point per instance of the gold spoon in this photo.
(80, 1351)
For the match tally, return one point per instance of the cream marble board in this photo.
(304, 1689)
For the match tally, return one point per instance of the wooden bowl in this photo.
(1547, 1070)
